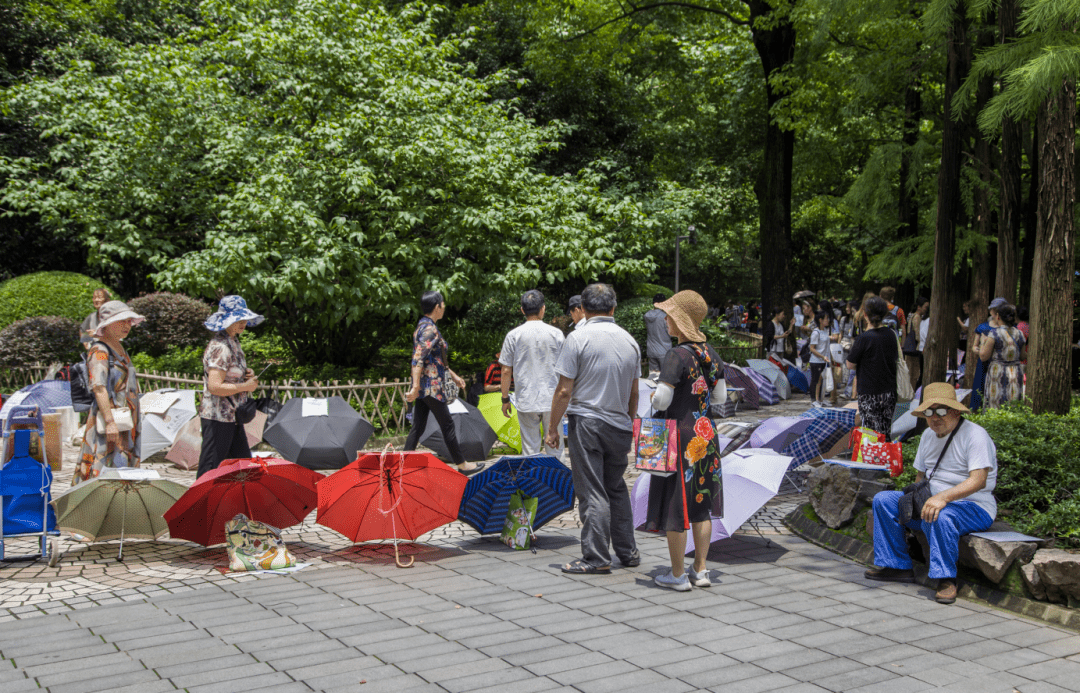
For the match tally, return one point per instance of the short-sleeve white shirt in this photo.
(971, 449)
(532, 349)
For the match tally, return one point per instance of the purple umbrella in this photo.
(766, 390)
(736, 378)
(778, 432)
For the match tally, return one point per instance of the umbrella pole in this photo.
(123, 522)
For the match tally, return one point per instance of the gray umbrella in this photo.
(318, 442)
(475, 436)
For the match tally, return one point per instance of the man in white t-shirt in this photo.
(528, 357)
(960, 460)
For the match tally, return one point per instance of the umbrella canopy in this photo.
(732, 435)
(844, 415)
(184, 452)
(487, 495)
(47, 394)
(778, 432)
(508, 430)
(736, 378)
(819, 438)
(118, 504)
(766, 392)
(474, 435)
(750, 478)
(271, 490)
(774, 374)
(397, 495)
(318, 433)
(805, 293)
(161, 424)
(799, 380)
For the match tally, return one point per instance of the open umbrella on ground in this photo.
(736, 378)
(818, 439)
(390, 495)
(766, 391)
(508, 430)
(750, 478)
(474, 435)
(774, 374)
(487, 495)
(45, 395)
(184, 452)
(318, 433)
(778, 432)
(163, 414)
(845, 416)
(799, 380)
(118, 504)
(269, 490)
(732, 435)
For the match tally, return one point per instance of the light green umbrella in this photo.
(507, 429)
(118, 504)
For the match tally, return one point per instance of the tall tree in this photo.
(1010, 221)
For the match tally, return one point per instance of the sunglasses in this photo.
(940, 411)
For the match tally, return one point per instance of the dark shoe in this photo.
(633, 562)
(946, 593)
(474, 470)
(580, 567)
(890, 575)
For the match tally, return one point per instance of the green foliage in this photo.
(43, 339)
(184, 360)
(646, 290)
(630, 315)
(172, 321)
(47, 293)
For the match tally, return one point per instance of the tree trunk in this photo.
(1012, 199)
(980, 299)
(1031, 219)
(909, 199)
(1050, 355)
(942, 338)
(776, 48)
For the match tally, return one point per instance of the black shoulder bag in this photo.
(916, 495)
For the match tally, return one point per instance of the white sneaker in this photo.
(699, 579)
(669, 581)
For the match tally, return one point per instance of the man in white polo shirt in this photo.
(528, 358)
(598, 369)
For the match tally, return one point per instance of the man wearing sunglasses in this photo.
(960, 460)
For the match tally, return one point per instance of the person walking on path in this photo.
(1004, 348)
(915, 339)
(227, 382)
(873, 358)
(659, 339)
(598, 370)
(978, 381)
(430, 376)
(528, 357)
(691, 379)
(111, 377)
(820, 358)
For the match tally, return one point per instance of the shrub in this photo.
(47, 339)
(497, 314)
(630, 315)
(649, 290)
(172, 321)
(182, 360)
(64, 294)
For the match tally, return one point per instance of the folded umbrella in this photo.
(732, 435)
(486, 499)
(390, 495)
(508, 429)
(776, 376)
(45, 395)
(159, 429)
(474, 435)
(318, 433)
(118, 504)
(270, 490)
(736, 378)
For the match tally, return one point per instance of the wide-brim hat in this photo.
(112, 312)
(687, 309)
(938, 395)
(231, 309)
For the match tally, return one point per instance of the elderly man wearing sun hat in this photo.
(960, 461)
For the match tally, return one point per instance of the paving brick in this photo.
(106, 683)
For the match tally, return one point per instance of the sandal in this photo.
(474, 470)
(580, 567)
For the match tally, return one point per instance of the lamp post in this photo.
(692, 237)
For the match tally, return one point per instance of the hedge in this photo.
(172, 321)
(42, 339)
(66, 294)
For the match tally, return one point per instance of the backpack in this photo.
(892, 320)
(81, 396)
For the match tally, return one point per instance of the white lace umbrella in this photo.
(163, 414)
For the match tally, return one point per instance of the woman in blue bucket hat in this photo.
(227, 382)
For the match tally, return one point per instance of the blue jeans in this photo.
(943, 535)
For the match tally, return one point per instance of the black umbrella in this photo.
(474, 434)
(317, 441)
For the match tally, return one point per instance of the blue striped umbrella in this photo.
(798, 380)
(766, 391)
(819, 438)
(487, 495)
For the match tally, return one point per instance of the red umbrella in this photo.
(271, 490)
(398, 495)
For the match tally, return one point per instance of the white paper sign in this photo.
(315, 407)
(458, 407)
(136, 474)
(157, 402)
(1005, 536)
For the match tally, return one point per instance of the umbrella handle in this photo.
(397, 559)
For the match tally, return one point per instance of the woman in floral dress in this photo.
(1003, 347)
(691, 378)
(112, 380)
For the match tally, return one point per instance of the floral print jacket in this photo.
(430, 352)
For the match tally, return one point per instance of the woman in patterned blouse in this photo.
(429, 381)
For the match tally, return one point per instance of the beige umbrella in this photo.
(118, 504)
(185, 449)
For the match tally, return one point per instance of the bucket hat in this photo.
(686, 309)
(230, 310)
(114, 311)
(938, 395)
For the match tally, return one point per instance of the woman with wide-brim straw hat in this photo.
(691, 379)
(111, 378)
(227, 382)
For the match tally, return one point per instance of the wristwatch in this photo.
(506, 400)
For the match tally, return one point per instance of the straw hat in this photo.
(938, 395)
(114, 311)
(686, 309)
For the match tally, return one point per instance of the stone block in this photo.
(1059, 573)
(1032, 581)
(993, 558)
(837, 494)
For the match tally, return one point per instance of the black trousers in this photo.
(221, 440)
(816, 369)
(421, 407)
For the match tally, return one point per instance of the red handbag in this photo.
(884, 454)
